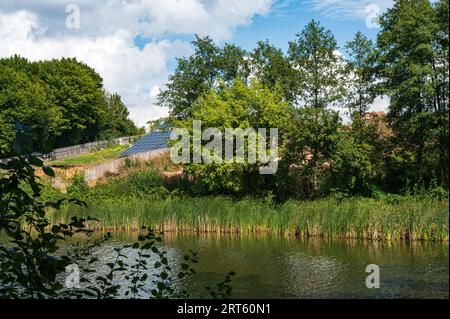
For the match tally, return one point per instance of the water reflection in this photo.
(276, 267)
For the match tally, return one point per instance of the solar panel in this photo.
(150, 142)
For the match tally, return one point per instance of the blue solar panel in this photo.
(150, 142)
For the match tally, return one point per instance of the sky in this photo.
(133, 44)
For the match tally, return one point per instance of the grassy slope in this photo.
(98, 157)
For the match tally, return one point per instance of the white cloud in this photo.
(380, 104)
(125, 68)
(216, 18)
(154, 91)
(344, 9)
(105, 40)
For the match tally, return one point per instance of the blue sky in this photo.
(133, 44)
(280, 29)
(284, 21)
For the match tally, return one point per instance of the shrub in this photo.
(78, 185)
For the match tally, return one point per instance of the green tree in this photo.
(114, 121)
(200, 72)
(25, 99)
(318, 66)
(236, 106)
(232, 63)
(78, 93)
(193, 76)
(441, 86)
(353, 168)
(407, 69)
(311, 144)
(272, 68)
(7, 135)
(359, 74)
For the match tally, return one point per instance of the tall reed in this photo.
(352, 218)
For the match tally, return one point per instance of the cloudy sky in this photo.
(133, 44)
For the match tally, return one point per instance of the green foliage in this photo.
(411, 66)
(78, 186)
(197, 74)
(317, 65)
(312, 144)
(141, 184)
(352, 172)
(25, 99)
(237, 105)
(114, 119)
(148, 182)
(28, 266)
(61, 103)
(359, 75)
(272, 68)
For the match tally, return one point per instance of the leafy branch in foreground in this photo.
(34, 260)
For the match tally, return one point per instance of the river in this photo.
(274, 267)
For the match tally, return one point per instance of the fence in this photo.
(75, 150)
(80, 149)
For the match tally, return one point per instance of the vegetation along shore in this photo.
(143, 198)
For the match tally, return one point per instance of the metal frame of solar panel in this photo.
(150, 142)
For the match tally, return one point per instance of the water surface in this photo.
(274, 267)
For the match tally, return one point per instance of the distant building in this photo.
(379, 119)
(153, 141)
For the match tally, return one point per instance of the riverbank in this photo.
(424, 219)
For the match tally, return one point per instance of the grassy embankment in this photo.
(98, 157)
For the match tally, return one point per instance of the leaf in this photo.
(35, 161)
(48, 171)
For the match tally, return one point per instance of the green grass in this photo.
(101, 156)
(353, 218)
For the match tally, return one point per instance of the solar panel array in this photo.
(150, 142)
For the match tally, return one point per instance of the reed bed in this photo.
(352, 218)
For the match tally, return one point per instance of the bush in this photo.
(146, 182)
(78, 185)
(139, 184)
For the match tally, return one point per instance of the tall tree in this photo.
(312, 141)
(441, 86)
(232, 63)
(78, 93)
(26, 102)
(200, 72)
(114, 121)
(193, 76)
(406, 68)
(318, 64)
(271, 67)
(359, 74)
